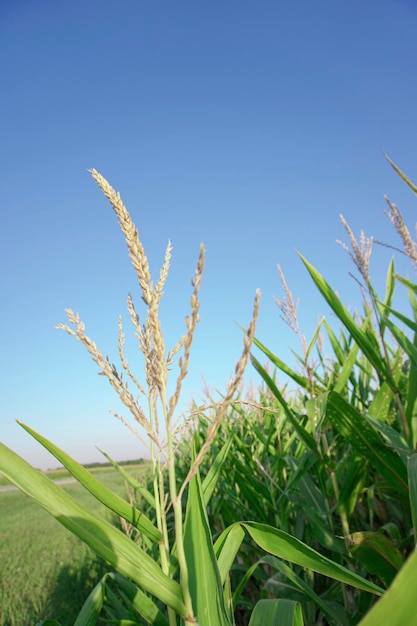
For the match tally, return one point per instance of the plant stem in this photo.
(179, 538)
(158, 489)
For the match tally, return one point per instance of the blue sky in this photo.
(248, 126)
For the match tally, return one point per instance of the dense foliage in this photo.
(276, 507)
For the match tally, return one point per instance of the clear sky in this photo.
(248, 126)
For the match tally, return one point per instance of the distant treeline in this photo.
(107, 464)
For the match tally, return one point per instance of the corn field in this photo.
(279, 505)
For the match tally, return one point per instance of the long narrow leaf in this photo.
(204, 577)
(106, 540)
(280, 544)
(347, 369)
(363, 340)
(409, 348)
(283, 545)
(401, 174)
(412, 481)
(143, 604)
(147, 495)
(300, 380)
(226, 549)
(367, 441)
(97, 489)
(210, 481)
(92, 607)
(398, 605)
(304, 435)
(297, 581)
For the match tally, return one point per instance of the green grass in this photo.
(45, 571)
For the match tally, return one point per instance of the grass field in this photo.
(45, 571)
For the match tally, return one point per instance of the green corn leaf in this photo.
(409, 348)
(393, 438)
(281, 544)
(321, 531)
(411, 406)
(381, 404)
(243, 582)
(397, 607)
(390, 284)
(378, 554)
(143, 604)
(413, 301)
(335, 343)
(277, 613)
(401, 174)
(304, 435)
(210, 481)
(297, 581)
(106, 540)
(403, 318)
(204, 576)
(226, 549)
(97, 489)
(353, 483)
(367, 441)
(367, 343)
(130, 480)
(347, 369)
(412, 481)
(300, 380)
(300, 467)
(406, 282)
(389, 292)
(314, 339)
(92, 607)
(115, 604)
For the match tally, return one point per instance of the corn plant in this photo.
(176, 573)
(356, 420)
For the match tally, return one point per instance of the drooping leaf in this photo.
(283, 545)
(107, 541)
(97, 489)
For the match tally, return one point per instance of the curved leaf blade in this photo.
(97, 489)
(283, 545)
(367, 441)
(110, 543)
